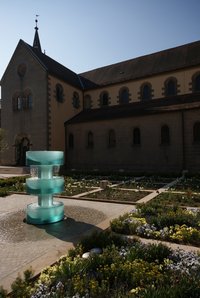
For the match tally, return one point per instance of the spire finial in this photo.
(36, 21)
(36, 41)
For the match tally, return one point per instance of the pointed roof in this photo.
(36, 41)
(55, 68)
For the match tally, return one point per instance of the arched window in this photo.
(104, 99)
(136, 136)
(76, 100)
(27, 100)
(19, 103)
(165, 136)
(124, 95)
(87, 102)
(146, 92)
(59, 93)
(22, 145)
(196, 83)
(22, 101)
(90, 140)
(111, 138)
(196, 132)
(71, 141)
(171, 87)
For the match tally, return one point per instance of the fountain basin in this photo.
(37, 214)
(44, 158)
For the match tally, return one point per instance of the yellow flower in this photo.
(135, 290)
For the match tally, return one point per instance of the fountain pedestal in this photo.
(45, 185)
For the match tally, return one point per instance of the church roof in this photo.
(154, 106)
(55, 68)
(173, 59)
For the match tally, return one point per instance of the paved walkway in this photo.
(156, 192)
(24, 246)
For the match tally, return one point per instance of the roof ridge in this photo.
(142, 56)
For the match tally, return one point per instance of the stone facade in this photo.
(150, 155)
(32, 116)
(141, 115)
(23, 124)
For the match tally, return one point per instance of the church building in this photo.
(141, 115)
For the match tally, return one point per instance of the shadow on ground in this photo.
(77, 221)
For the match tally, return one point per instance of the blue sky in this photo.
(87, 34)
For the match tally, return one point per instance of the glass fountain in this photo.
(45, 185)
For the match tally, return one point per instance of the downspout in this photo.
(183, 141)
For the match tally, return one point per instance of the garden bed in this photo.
(103, 265)
(188, 198)
(161, 222)
(150, 183)
(118, 195)
(187, 184)
(13, 184)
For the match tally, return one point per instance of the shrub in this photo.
(3, 292)
(101, 240)
(181, 286)
(172, 218)
(150, 253)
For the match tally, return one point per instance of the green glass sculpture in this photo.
(45, 185)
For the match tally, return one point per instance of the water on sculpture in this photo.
(45, 185)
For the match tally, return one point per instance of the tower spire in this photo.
(36, 41)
